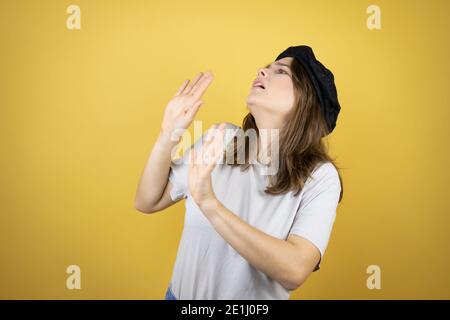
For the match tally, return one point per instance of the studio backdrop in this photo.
(83, 87)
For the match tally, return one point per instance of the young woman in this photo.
(249, 235)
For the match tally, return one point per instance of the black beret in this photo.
(322, 80)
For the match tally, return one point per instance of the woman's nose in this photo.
(262, 72)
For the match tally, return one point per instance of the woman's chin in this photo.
(252, 101)
(255, 104)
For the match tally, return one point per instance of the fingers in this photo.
(191, 158)
(210, 133)
(218, 141)
(217, 146)
(214, 141)
(211, 151)
(200, 87)
(195, 89)
(187, 90)
(216, 131)
(193, 110)
(183, 86)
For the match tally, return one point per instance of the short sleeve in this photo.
(178, 178)
(317, 210)
(178, 174)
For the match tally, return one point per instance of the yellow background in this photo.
(80, 111)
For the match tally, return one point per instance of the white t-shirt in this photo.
(207, 267)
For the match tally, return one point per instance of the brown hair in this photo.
(301, 147)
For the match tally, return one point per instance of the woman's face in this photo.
(277, 97)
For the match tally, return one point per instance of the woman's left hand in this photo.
(202, 163)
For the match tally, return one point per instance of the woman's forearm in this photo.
(156, 172)
(274, 257)
(178, 115)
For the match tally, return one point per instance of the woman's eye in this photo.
(282, 70)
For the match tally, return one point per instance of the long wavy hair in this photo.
(301, 144)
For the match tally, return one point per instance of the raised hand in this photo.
(202, 163)
(182, 108)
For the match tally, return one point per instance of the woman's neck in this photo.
(268, 138)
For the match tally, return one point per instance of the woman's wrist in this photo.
(170, 136)
(209, 206)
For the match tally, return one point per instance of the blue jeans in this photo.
(169, 294)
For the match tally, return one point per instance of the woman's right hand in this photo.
(182, 108)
